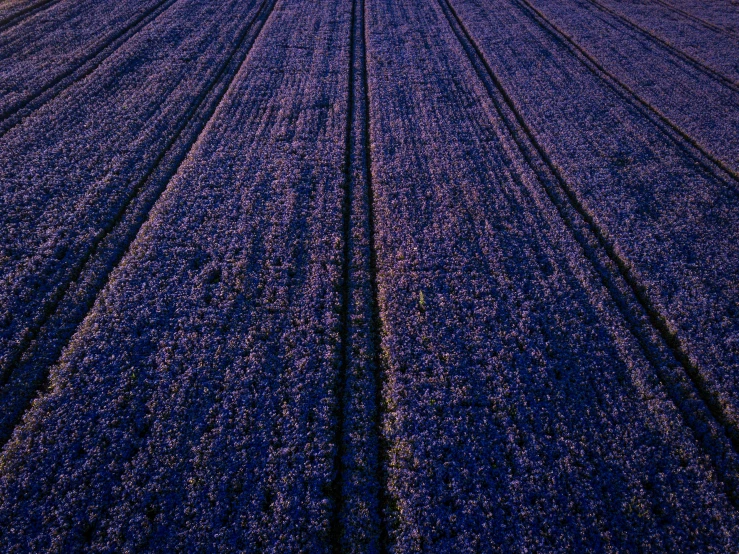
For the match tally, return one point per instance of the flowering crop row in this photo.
(521, 413)
(84, 169)
(367, 276)
(195, 408)
(668, 213)
(654, 71)
(701, 40)
(46, 52)
(714, 12)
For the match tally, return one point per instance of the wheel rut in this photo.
(21, 15)
(14, 115)
(359, 382)
(707, 161)
(687, 58)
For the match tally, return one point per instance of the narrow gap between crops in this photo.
(377, 326)
(336, 530)
(357, 161)
(696, 19)
(638, 292)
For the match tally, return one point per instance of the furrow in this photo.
(377, 327)
(337, 525)
(13, 115)
(665, 350)
(720, 13)
(358, 517)
(713, 49)
(70, 303)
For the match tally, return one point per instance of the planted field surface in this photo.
(656, 203)
(34, 67)
(77, 191)
(719, 13)
(368, 276)
(665, 80)
(703, 44)
(15, 11)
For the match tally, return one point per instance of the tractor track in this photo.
(21, 15)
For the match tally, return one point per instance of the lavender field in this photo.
(369, 276)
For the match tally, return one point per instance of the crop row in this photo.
(715, 12)
(705, 43)
(656, 73)
(520, 411)
(44, 54)
(665, 211)
(196, 406)
(391, 275)
(13, 12)
(80, 174)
